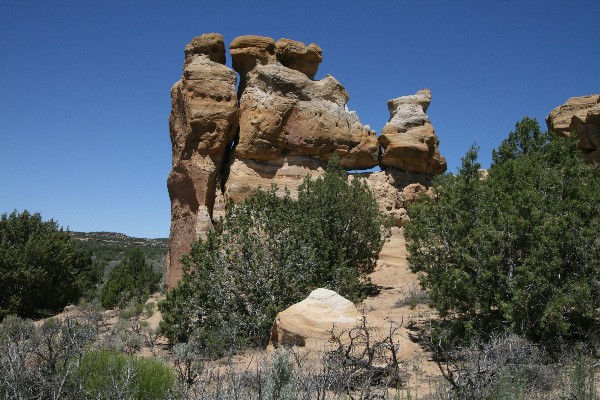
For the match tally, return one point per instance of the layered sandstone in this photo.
(579, 116)
(203, 121)
(309, 322)
(285, 113)
(289, 123)
(409, 140)
(278, 127)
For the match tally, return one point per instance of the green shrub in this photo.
(518, 249)
(41, 271)
(269, 253)
(117, 375)
(131, 278)
(582, 383)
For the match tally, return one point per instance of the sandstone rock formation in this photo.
(579, 116)
(203, 121)
(289, 123)
(394, 190)
(295, 55)
(285, 113)
(279, 126)
(309, 322)
(408, 139)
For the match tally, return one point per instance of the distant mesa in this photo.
(277, 127)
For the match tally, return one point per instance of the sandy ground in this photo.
(395, 282)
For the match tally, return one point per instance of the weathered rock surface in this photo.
(203, 121)
(296, 55)
(283, 113)
(280, 126)
(210, 44)
(249, 51)
(245, 176)
(408, 139)
(309, 322)
(579, 116)
(394, 190)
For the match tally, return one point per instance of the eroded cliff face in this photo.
(203, 121)
(579, 116)
(279, 126)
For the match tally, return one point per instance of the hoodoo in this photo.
(277, 127)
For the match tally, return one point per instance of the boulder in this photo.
(203, 122)
(296, 55)
(209, 44)
(309, 323)
(579, 116)
(408, 139)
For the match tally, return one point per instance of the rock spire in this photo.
(280, 125)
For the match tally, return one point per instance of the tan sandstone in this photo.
(309, 323)
(279, 127)
(210, 44)
(203, 121)
(296, 55)
(579, 116)
(394, 190)
(408, 139)
(283, 112)
(290, 124)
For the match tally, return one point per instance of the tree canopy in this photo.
(132, 278)
(41, 271)
(518, 248)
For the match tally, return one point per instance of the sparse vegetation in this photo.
(269, 253)
(112, 246)
(114, 375)
(413, 298)
(357, 364)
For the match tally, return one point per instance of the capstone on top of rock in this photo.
(249, 51)
(209, 44)
(296, 55)
(408, 139)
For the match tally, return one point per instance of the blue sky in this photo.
(84, 85)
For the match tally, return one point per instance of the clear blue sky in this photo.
(84, 85)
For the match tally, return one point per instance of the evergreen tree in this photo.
(131, 278)
(518, 249)
(41, 271)
(271, 252)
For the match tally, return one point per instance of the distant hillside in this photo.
(110, 247)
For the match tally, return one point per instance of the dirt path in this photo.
(397, 282)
